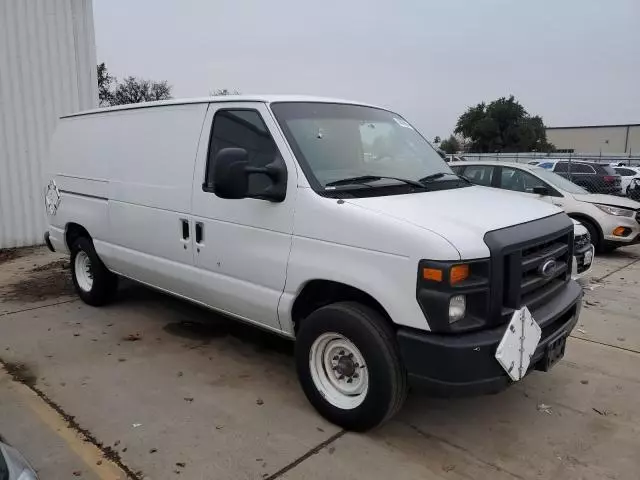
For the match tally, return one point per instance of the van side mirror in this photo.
(541, 190)
(231, 176)
(230, 179)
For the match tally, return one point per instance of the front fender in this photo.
(388, 278)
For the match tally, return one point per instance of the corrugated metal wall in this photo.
(47, 69)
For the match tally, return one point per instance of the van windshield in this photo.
(342, 147)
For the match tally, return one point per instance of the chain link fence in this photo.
(596, 173)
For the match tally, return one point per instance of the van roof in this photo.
(219, 99)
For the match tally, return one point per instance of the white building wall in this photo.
(47, 69)
(612, 139)
(589, 139)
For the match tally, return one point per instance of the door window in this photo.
(243, 129)
(479, 174)
(625, 172)
(519, 181)
(581, 168)
(561, 167)
(547, 165)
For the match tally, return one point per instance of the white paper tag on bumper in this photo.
(518, 344)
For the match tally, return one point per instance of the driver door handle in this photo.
(185, 228)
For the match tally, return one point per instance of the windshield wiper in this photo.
(364, 179)
(435, 176)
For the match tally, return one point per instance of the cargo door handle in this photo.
(199, 232)
(185, 228)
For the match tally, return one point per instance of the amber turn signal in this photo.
(458, 274)
(432, 274)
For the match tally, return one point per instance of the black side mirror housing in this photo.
(231, 176)
(541, 190)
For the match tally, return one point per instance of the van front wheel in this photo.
(94, 283)
(349, 366)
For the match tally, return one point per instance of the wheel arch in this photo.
(581, 217)
(73, 231)
(317, 293)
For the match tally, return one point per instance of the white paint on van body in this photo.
(130, 176)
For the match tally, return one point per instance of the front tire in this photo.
(594, 234)
(349, 366)
(93, 282)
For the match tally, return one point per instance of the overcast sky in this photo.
(574, 62)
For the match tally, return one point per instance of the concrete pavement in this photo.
(169, 390)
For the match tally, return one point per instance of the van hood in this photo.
(612, 200)
(462, 215)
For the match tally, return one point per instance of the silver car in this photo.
(13, 466)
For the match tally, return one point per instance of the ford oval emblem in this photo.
(547, 268)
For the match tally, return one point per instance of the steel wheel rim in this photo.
(83, 271)
(338, 371)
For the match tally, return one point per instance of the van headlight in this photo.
(457, 308)
(617, 211)
(454, 294)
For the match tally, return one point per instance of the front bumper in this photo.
(578, 266)
(610, 222)
(465, 364)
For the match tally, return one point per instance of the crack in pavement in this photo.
(17, 374)
(430, 436)
(41, 306)
(605, 344)
(310, 453)
(617, 270)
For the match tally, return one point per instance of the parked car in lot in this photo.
(612, 221)
(633, 191)
(13, 465)
(593, 177)
(583, 251)
(627, 174)
(332, 223)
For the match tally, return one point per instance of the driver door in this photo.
(242, 245)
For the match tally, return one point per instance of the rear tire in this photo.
(93, 282)
(349, 366)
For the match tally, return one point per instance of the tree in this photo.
(220, 92)
(502, 126)
(130, 90)
(136, 90)
(437, 139)
(104, 85)
(450, 145)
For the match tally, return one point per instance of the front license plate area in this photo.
(518, 344)
(554, 352)
(588, 258)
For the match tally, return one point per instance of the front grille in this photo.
(581, 241)
(537, 271)
(517, 255)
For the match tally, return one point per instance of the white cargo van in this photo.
(330, 222)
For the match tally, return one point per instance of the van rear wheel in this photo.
(93, 282)
(349, 365)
